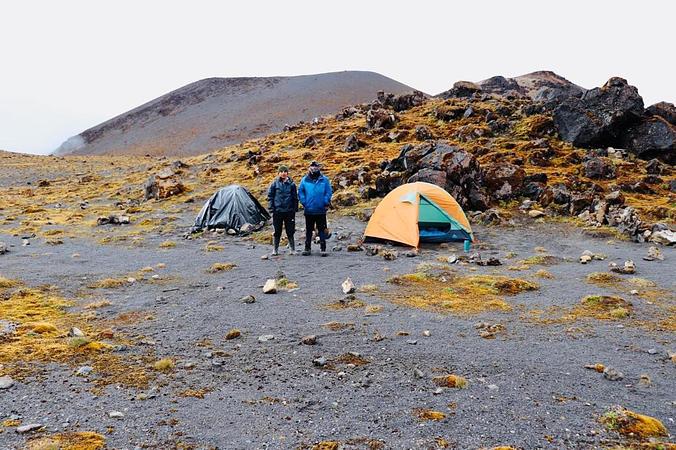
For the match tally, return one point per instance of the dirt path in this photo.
(527, 387)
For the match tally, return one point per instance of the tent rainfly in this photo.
(418, 212)
(232, 207)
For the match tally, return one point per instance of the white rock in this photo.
(664, 237)
(6, 382)
(535, 213)
(266, 338)
(131, 280)
(348, 286)
(584, 259)
(427, 333)
(115, 415)
(270, 286)
(76, 332)
(3, 248)
(28, 428)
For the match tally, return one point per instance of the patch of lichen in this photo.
(632, 424)
(221, 267)
(448, 292)
(428, 414)
(43, 320)
(80, 440)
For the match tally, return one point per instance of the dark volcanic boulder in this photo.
(401, 102)
(423, 133)
(600, 115)
(665, 110)
(599, 168)
(501, 86)
(380, 118)
(461, 89)
(353, 143)
(653, 137)
(504, 180)
(442, 164)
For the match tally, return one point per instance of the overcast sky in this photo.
(68, 65)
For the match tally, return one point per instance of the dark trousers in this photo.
(318, 221)
(288, 221)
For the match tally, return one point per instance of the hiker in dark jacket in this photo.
(315, 195)
(283, 205)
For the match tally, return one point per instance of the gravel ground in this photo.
(527, 387)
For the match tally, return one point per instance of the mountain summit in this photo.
(216, 112)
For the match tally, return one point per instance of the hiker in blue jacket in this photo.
(283, 205)
(315, 193)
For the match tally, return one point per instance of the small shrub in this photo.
(164, 365)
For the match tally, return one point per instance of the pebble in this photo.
(6, 382)
(611, 374)
(418, 373)
(28, 428)
(115, 415)
(309, 340)
(319, 362)
(412, 342)
(492, 387)
(248, 299)
(535, 213)
(348, 286)
(633, 292)
(84, 371)
(270, 286)
(426, 333)
(438, 391)
(76, 332)
(652, 351)
(266, 337)
(337, 248)
(265, 257)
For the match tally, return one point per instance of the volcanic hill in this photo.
(216, 112)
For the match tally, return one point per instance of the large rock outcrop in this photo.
(652, 137)
(600, 116)
(442, 164)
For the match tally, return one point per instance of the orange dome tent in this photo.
(419, 212)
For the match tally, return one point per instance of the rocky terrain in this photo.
(121, 330)
(215, 112)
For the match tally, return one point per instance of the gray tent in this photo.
(231, 207)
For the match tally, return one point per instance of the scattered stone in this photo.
(535, 213)
(634, 292)
(337, 248)
(426, 333)
(309, 339)
(115, 415)
(266, 338)
(355, 248)
(418, 373)
(664, 237)
(319, 362)
(412, 342)
(84, 371)
(654, 253)
(6, 382)
(652, 351)
(612, 374)
(76, 332)
(348, 286)
(411, 253)
(113, 220)
(353, 143)
(644, 380)
(28, 428)
(248, 299)
(584, 259)
(3, 248)
(629, 268)
(389, 255)
(423, 133)
(270, 286)
(265, 257)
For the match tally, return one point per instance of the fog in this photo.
(69, 65)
